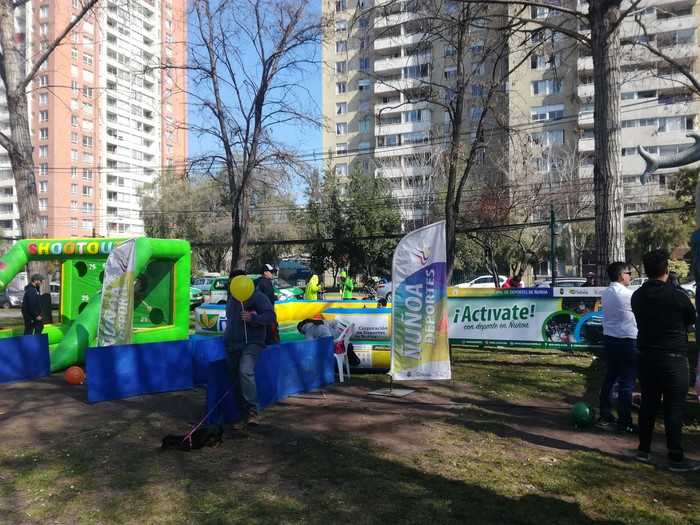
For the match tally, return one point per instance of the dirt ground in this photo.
(48, 410)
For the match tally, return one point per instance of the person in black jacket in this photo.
(662, 312)
(264, 284)
(31, 306)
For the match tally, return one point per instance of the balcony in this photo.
(395, 19)
(585, 64)
(403, 127)
(381, 44)
(586, 91)
(399, 84)
(398, 63)
(585, 145)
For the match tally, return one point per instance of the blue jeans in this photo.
(241, 365)
(664, 375)
(621, 367)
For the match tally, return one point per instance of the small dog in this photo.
(207, 435)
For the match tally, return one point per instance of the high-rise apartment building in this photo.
(386, 82)
(108, 113)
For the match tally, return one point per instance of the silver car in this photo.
(10, 298)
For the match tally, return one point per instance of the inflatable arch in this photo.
(161, 310)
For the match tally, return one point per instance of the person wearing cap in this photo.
(345, 286)
(312, 289)
(31, 306)
(264, 284)
(590, 279)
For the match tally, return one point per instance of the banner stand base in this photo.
(391, 392)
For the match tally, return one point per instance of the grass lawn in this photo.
(467, 451)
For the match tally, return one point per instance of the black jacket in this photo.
(265, 286)
(31, 303)
(662, 312)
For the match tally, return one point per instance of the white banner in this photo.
(419, 339)
(117, 308)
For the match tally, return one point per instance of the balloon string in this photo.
(245, 330)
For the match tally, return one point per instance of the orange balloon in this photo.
(75, 375)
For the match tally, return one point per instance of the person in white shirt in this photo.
(620, 343)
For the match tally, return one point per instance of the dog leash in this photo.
(188, 437)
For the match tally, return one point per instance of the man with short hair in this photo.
(620, 343)
(31, 306)
(663, 313)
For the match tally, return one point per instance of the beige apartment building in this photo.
(382, 79)
(108, 113)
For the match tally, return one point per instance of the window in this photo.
(74, 103)
(43, 99)
(363, 64)
(364, 106)
(341, 128)
(43, 80)
(416, 115)
(88, 158)
(87, 141)
(341, 67)
(43, 170)
(451, 73)
(363, 22)
(341, 46)
(74, 137)
(44, 134)
(44, 115)
(549, 138)
(341, 170)
(341, 25)
(43, 186)
(477, 47)
(364, 85)
(87, 91)
(87, 108)
(73, 173)
(547, 112)
(74, 155)
(364, 126)
(340, 6)
(88, 208)
(74, 53)
(74, 121)
(546, 87)
(73, 223)
(341, 87)
(419, 71)
(73, 189)
(363, 147)
(44, 221)
(43, 204)
(87, 191)
(87, 224)
(546, 61)
(341, 149)
(477, 112)
(44, 11)
(74, 86)
(44, 28)
(341, 108)
(43, 152)
(450, 50)
(73, 206)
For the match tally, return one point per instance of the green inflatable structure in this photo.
(161, 308)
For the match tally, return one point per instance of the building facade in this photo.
(108, 113)
(388, 69)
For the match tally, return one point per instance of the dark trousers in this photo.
(621, 367)
(32, 326)
(666, 376)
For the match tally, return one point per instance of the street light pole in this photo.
(555, 229)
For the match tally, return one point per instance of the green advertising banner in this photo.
(537, 317)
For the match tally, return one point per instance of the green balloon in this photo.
(583, 414)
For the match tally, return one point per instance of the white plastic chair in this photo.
(342, 358)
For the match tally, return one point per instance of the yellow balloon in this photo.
(242, 287)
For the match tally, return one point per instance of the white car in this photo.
(689, 288)
(385, 290)
(637, 282)
(483, 281)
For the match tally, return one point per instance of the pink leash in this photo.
(188, 437)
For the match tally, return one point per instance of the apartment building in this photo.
(379, 97)
(108, 113)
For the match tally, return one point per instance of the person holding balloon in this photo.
(248, 313)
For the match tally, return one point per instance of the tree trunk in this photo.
(19, 147)
(603, 16)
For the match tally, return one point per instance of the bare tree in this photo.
(249, 61)
(18, 66)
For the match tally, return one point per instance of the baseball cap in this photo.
(268, 268)
(590, 274)
(36, 277)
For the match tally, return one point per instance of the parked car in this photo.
(637, 282)
(203, 284)
(11, 298)
(196, 297)
(565, 282)
(55, 289)
(689, 288)
(385, 290)
(483, 281)
(283, 290)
